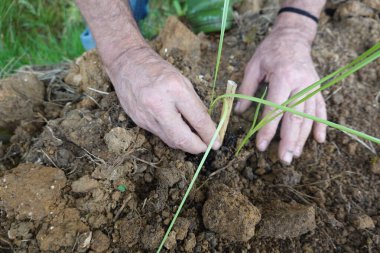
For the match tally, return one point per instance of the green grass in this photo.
(38, 32)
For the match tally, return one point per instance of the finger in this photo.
(195, 112)
(306, 127)
(252, 78)
(278, 93)
(177, 134)
(290, 131)
(320, 128)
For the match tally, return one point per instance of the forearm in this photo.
(113, 27)
(305, 27)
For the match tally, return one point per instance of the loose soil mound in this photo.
(78, 175)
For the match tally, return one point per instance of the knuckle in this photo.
(201, 121)
(297, 119)
(182, 142)
(151, 100)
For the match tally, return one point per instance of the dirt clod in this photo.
(38, 191)
(130, 230)
(171, 241)
(118, 140)
(21, 231)
(230, 214)
(176, 35)
(282, 220)
(100, 242)
(62, 231)
(152, 236)
(84, 184)
(375, 168)
(20, 98)
(190, 243)
(89, 75)
(168, 176)
(363, 221)
(353, 9)
(181, 227)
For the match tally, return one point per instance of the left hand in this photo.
(283, 60)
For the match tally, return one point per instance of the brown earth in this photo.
(61, 171)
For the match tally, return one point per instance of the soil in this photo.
(77, 175)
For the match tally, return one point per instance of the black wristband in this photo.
(300, 12)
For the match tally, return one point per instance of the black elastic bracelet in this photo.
(299, 11)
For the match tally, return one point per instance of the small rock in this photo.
(100, 242)
(175, 35)
(84, 184)
(353, 9)
(190, 243)
(375, 168)
(31, 191)
(230, 214)
(84, 241)
(118, 140)
(363, 221)
(282, 220)
(171, 241)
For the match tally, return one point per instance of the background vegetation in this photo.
(38, 32)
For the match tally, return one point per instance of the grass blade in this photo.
(252, 128)
(223, 118)
(302, 114)
(220, 47)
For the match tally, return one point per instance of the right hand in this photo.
(159, 99)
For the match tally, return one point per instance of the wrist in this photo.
(305, 28)
(297, 26)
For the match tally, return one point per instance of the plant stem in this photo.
(222, 120)
(231, 89)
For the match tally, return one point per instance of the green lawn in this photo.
(38, 32)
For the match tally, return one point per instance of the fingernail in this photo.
(263, 145)
(237, 106)
(217, 144)
(321, 137)
(298, 152)
(287, 158)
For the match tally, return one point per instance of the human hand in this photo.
(159, 99)
(283, 60)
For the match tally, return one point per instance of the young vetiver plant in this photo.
(326, 82)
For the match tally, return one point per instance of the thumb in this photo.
(252, 78)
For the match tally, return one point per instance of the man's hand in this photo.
(159, 99)
(283, 60)
(153, 93)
